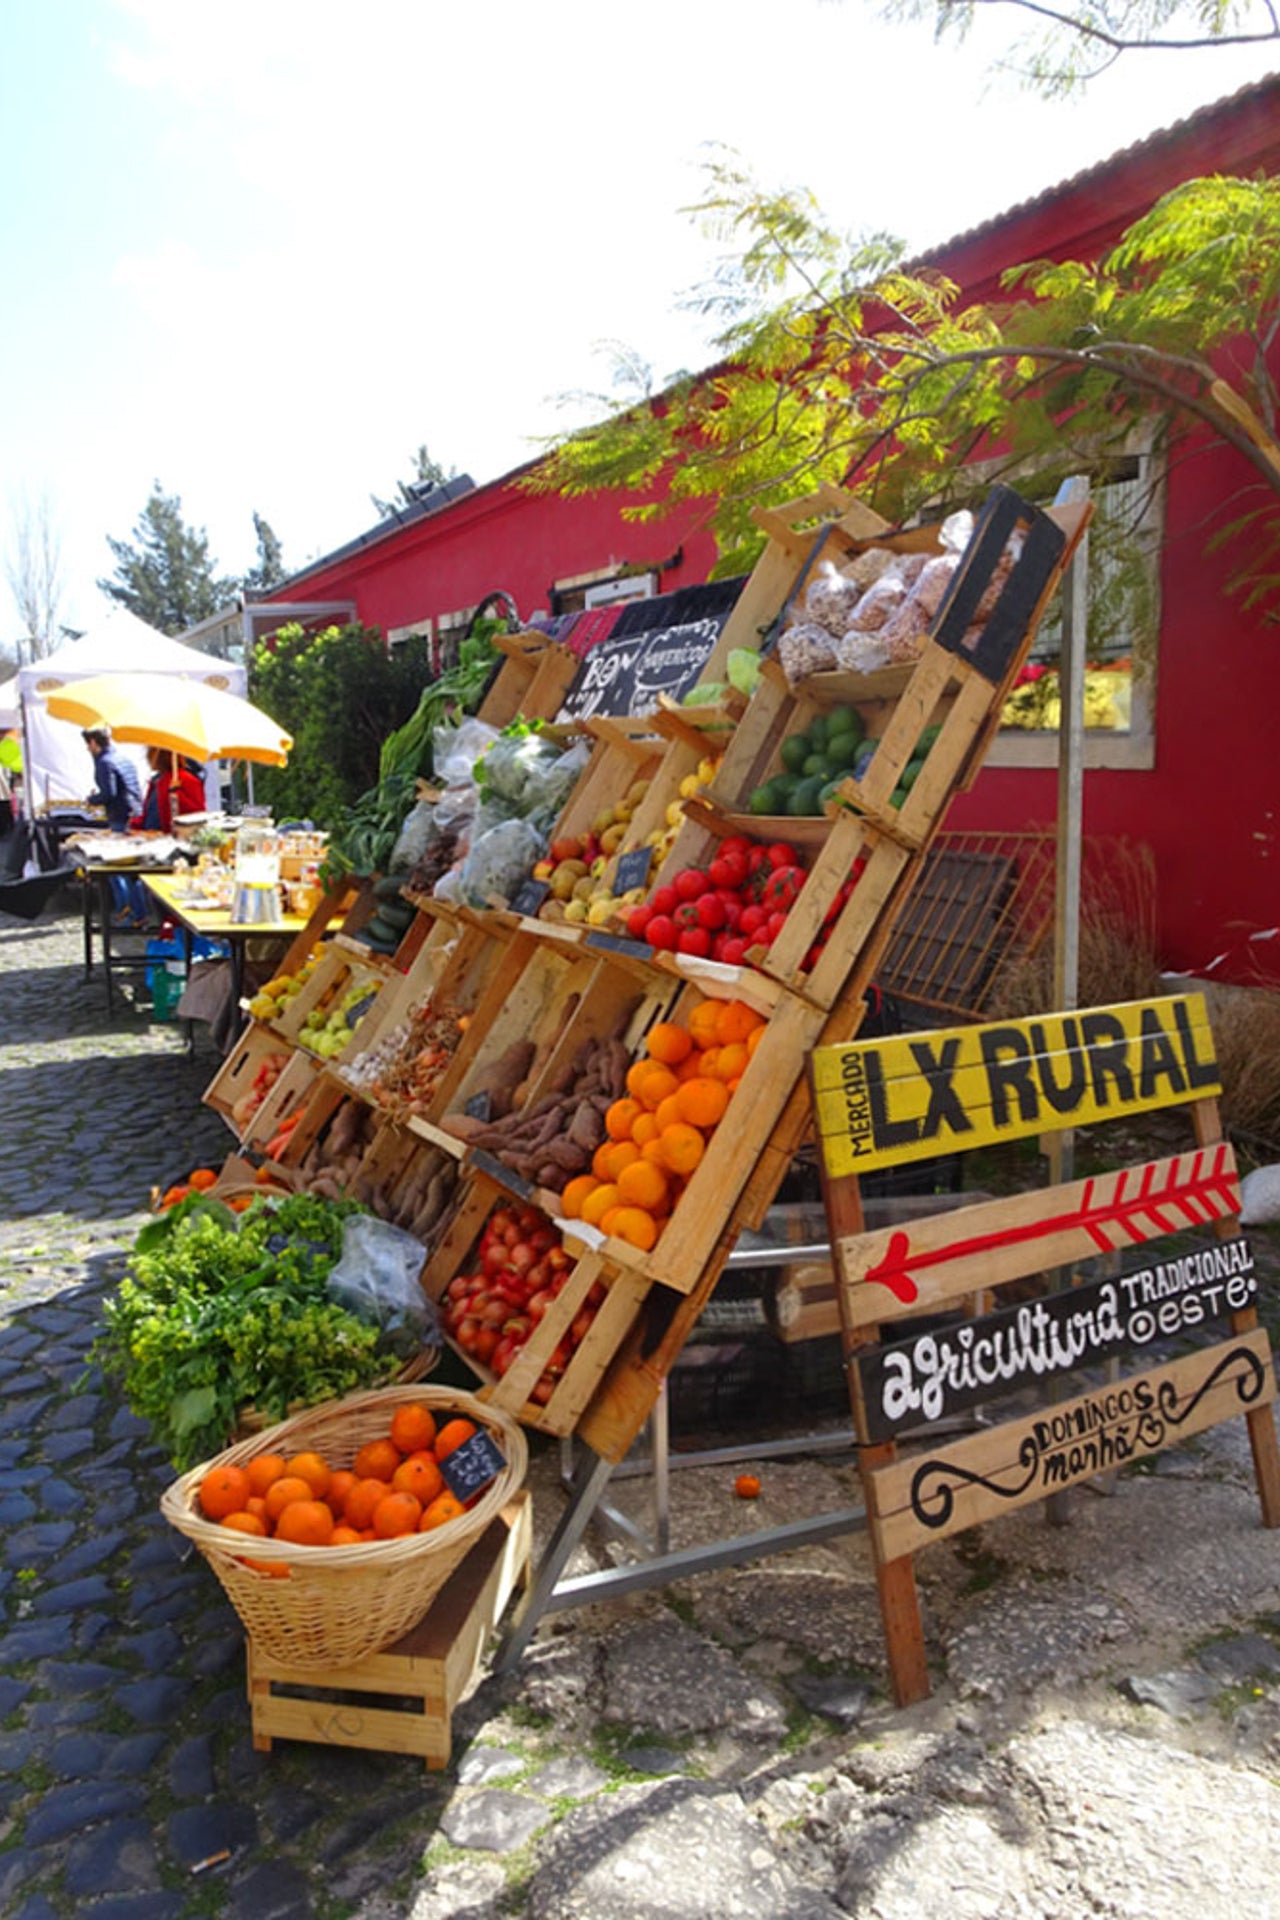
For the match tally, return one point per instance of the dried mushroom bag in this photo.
(865, 568)
(861, 652)
(904, 632)
(806, 649)
(830, 598)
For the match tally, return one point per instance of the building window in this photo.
(1123, 624)
(607, 586)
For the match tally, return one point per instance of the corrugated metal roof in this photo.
(1256, 89)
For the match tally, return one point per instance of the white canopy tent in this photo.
(10, 714)
(58, 765)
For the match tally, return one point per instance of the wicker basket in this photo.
(335, 1605)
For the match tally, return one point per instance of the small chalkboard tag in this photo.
(633, 869)
(480, 1105)
(529, 896)
(469, 1468)
(503, 1174)
(614, 943)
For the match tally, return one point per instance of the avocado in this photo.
(805, 801)
(817, 733)
(794, 753)
(845, 720)
(831, 790)
(761, 800)
(925, 741)
(910, 774)
(842, 750)
(815, 763)
(897, 797)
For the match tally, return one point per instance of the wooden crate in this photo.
(342, 966)
(626, 1289)
(402, 1699)
(532, 681)
(236, 1075)
(289, 1094)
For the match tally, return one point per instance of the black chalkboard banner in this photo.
(528, 897)
(480, 1105)
(469, 1468)
(658, 646)
(633, 869)
(927, 1377)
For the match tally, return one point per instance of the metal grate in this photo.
(982, 899)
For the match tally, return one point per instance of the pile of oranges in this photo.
(676, 1097)
(393, 1487)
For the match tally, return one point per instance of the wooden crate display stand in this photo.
(891, 1101)
(402, 1699)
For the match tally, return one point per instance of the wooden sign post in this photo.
(918, 1095)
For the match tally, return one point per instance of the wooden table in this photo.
(97, 876)
(215, 923)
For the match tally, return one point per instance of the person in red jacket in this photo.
(176, 786)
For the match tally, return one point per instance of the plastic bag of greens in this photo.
(414, 837)
(456, 750)
(376, 1278)
(498, 861)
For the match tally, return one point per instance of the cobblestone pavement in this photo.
(725, 1747)
(125, 1756)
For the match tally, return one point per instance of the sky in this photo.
(259, 251)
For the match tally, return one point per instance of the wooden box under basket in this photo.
(402, 1699)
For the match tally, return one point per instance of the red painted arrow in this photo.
(1188, 1196)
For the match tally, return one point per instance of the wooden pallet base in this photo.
(402, 1699)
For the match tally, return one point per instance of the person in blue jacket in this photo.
(115, 779)
(117, 785)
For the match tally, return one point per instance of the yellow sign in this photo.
(919, 1095)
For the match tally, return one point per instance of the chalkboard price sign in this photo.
(633, 869)
(480, 1105)
(614, 943)
(528, 897)
(503, 1174)
(469, 1468)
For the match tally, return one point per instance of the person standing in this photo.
(115, 779)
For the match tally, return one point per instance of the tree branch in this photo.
(1118, 42)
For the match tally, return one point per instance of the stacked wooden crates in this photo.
(557, 985)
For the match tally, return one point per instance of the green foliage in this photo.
(166, 576)
(270, 570)
(837, 364)
(219, 1312)
(339, 693)
(1072, 45)
(427, 473)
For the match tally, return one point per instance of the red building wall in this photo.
(1208, 806)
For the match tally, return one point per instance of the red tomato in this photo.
(777, 921)
(637, 920)
(780, 854)
(736, 843)
(690, 884)
(735, 951)
(695, 941)
(711, 912)
(754, 919)
(663, 900)
(661, 932)
(732, 909)
(686, 915)
(728, 869)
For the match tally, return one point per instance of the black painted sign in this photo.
(627, 672)
(615, 943)
(633, 869)
(937, 1373)
(469, 1468)
(529, 896)
(504, 1175)
(480, 1105)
